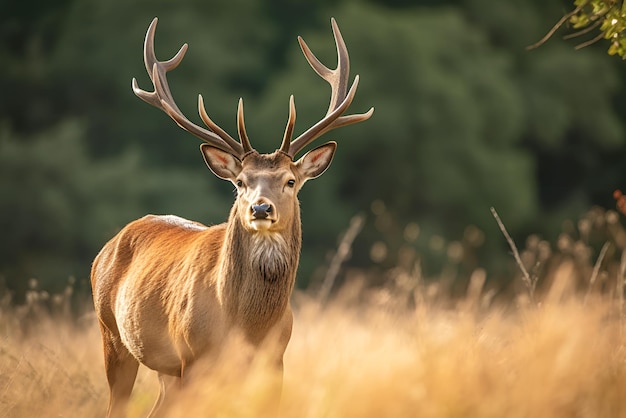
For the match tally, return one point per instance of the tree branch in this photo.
(563, 19)
(590, 42)
(583, 31)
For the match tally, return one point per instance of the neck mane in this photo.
(258, 274)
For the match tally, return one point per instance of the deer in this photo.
(168, 291)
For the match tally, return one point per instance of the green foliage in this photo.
(100, 51)
(59, 205)
(465, 119)
(457, 125)
(606, 16)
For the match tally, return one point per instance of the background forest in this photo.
(466, 118)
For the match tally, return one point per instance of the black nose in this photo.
(261, 211)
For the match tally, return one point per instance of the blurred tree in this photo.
(574, 118)
(465, 119)
(101, 49)
(441, 147)
(59, 205)
(28, 34)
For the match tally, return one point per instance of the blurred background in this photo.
(465, 118)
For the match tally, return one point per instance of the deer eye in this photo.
(239, 183)
(291, 183)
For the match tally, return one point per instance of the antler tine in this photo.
(340, 98)
(241, 128)
(291, 122)
(162, 98)
(347, 120)
(338, 78)
(151, 63)
(232, 143)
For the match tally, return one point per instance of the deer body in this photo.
(138, 302)
(169, 292)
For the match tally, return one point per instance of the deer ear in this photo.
(223, 164)
(315, 162)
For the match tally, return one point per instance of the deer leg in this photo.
(165, 383)
(279, 384)
(121, 370)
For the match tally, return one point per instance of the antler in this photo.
(162, 98)
(339, 99)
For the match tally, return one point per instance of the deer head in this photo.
(266, 183)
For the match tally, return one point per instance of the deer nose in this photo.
(261, 211)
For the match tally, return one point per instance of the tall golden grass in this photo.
(563, 359)
(368, 352)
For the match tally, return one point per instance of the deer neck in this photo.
(258, 274)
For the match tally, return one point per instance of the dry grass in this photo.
(563, 359)
(403, 350)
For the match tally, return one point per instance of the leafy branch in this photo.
(607, 16)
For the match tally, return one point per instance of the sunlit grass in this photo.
(406, 349)
(563, 359)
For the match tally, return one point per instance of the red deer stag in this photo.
(168, 291)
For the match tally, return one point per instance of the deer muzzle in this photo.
(262, 216)
(261, 211)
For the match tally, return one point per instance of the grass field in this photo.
(403, 351)
(562, 359)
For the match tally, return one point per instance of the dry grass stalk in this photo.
(530, 282)
(621, 282)
(342, 253)
(596, 269)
